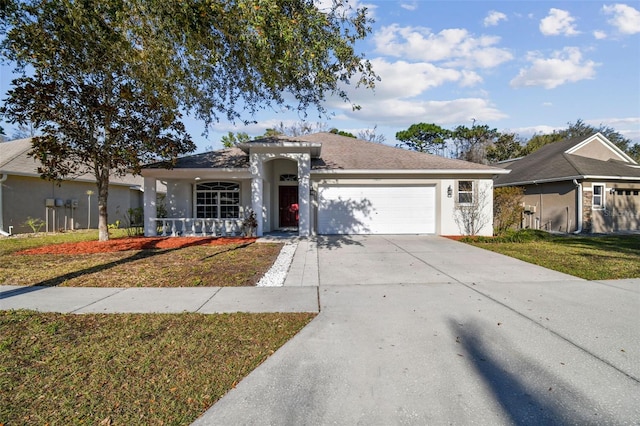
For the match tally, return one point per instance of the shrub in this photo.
(507, 208)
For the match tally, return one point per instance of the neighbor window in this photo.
(465, 192)
(218, 200)
(598, 197)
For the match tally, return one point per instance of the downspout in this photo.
(579, 222)
(2, 232)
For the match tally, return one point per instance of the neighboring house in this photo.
(318, 184)
(577, 185)
(64, 206)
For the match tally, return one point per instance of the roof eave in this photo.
(567, 178)
(191, 172)
(412, 171)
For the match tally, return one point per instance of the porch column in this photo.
(257, 191)
(304, 200)
(149, 206)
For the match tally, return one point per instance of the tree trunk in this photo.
(103, 193)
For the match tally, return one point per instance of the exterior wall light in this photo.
(449, 192)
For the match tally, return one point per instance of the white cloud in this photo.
(401, 113)
(558, 22)
(599, 35)
(403, 79)
(565, 66)
(455, 46)
(494, 18)
(625, 18)
(410, 6)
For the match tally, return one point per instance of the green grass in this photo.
(240, 264)
(590, 257)
(124, 369)
(61, 369)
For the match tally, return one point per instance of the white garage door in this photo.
(391, 209)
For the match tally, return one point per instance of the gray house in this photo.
(577, 185)
(64, 206)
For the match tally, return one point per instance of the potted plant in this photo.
(250, 223)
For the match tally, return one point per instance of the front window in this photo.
(598, 197)
(465, 192)
(218, 200)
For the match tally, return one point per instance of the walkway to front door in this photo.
(288, 203)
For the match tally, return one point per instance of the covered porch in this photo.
(211, 201)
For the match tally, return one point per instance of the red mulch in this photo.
(135, 243)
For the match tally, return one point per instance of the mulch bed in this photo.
(134, 243)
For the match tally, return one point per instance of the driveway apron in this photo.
(425, 330)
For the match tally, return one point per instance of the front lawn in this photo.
(124, 369)
(590, 257)
(71, 259)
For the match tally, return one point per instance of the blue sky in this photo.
(519, 66)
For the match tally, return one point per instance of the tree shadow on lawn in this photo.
(626, 244)
(145, 253)
(234, 248)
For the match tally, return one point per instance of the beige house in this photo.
(321, 183)
(64, 206)
(577, 185)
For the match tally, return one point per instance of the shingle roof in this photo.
(228, 158)
(552, 163)
(345, 153)
(15, 161)
(337, 153)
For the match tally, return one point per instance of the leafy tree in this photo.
(581, 129)
(634, 152)
(342, 133)
(424, 137)
(233, 139)
(107, 80)
(472, 142)
(271, 133)
(506, 147)
(538, 141)
(2, 135)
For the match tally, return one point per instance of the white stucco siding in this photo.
(376, 209)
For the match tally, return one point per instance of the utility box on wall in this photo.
(49, 202)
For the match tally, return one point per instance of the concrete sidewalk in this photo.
(206, 300)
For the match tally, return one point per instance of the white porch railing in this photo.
(194, 227)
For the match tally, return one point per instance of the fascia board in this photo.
(191, 173)
(564, 179)
(430, 172)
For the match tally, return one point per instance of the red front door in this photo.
(288, 206)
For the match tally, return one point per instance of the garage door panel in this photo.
(376, 209)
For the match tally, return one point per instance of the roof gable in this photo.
(600, 148)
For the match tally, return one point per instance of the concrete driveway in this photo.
(424, 330)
